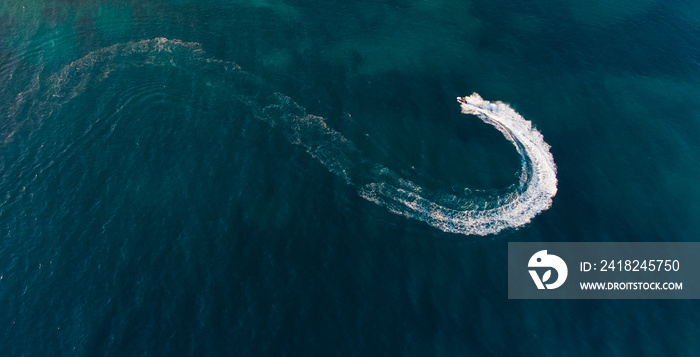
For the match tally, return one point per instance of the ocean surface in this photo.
(269, 177)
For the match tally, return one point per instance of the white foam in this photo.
(375, 182)
(532, 195)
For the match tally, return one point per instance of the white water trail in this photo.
(532, 195)
(375, 182)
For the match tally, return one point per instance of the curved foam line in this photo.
(374, 182)
(532, 195)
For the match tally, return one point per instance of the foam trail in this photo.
(532, 195)
(375, 182)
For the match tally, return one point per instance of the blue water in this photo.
(164, 190)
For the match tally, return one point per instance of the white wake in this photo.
(375, 182)
(514, 208)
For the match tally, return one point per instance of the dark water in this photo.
(146, 209)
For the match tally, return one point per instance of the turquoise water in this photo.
(183, 178)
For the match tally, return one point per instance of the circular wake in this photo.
(523, 201)
(375, 182)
